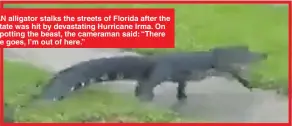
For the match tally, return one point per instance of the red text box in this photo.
(87, 28)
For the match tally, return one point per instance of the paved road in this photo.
(214, 99)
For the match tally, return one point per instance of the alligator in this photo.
(150, 71)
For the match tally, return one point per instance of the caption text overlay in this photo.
(87, 28)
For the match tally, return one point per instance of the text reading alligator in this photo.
(150, 71)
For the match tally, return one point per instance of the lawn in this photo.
(199, 27)
(92, 105)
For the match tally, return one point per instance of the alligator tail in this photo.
(74, 78)
(87, 72)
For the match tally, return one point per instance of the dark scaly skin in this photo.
(179, 67)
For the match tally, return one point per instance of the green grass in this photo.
(199, 27)
(90, 105)
(20, 81)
